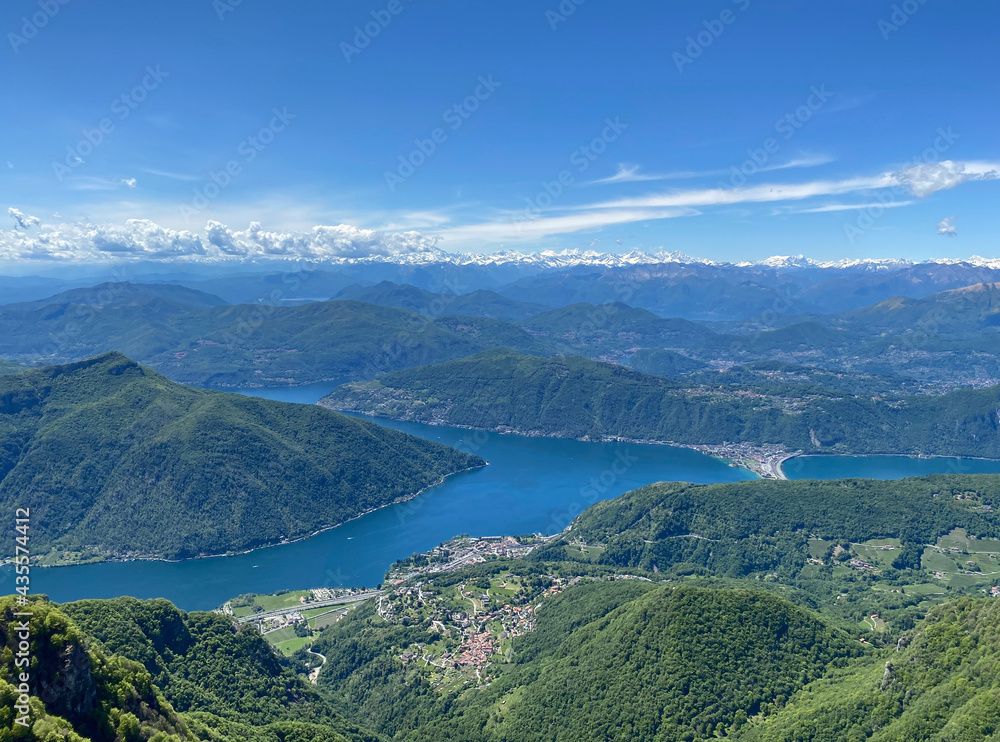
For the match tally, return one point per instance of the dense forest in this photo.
(125, 671)
(738, 529)
(674, 664)
(115, 459)
(940, 684)
(579, 398)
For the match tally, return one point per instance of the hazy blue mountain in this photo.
(481, 303)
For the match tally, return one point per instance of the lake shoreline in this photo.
(398, 501)
(918, 457)
(771, 467)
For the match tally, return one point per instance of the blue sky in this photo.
(258, 111)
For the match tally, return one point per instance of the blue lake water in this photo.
(532, 485)
(882, 467)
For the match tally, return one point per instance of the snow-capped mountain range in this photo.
(570, 258)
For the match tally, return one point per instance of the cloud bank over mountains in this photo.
(30, 239)
(141, 239)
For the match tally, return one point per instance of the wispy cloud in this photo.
(919, 180)
(764, 193)
(840, 207)
(170, 175)
(632, 173)
(91, 183)
(525, 230)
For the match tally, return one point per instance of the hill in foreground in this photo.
(131, 671)
(115, 459)
(940, 684)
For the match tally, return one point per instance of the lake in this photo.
(882, 467)
(531, 485)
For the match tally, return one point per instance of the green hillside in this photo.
(662, 362)
(115, 459)
(675, 613)
(579, 398)
(613, 327)
(855, 547)
(674, 664)
(152, 673)
(941, 684)
(203, 663)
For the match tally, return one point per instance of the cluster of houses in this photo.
(463, 552)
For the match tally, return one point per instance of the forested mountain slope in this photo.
(675, 664)
(579, 398)
(153, 673)
(941, 686)
(114, 459)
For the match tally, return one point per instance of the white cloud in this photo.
(811, 161)
(947, 227)
(631, 173)
(526, 229)
(91, 183)
(171, 175)
(765, 193)
(841, 207)
(927, 178)
(130, 182)
(22, 220)
(320, 243)
(143, 239)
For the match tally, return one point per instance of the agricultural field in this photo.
(963, 560)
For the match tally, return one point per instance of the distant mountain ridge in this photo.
(479, 303)
(122, 294)
(575, 397)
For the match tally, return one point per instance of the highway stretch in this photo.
(308, 606)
